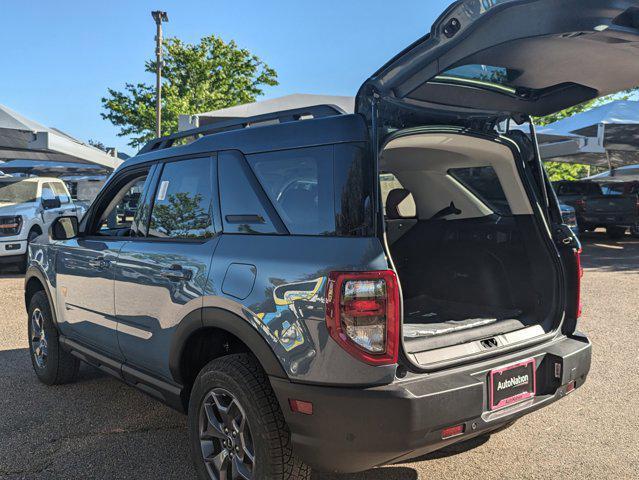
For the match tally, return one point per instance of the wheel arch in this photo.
(37, 227)
(35, 281)
(209, 323)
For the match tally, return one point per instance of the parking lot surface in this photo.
(99, 428)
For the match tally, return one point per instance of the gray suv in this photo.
(336, 291)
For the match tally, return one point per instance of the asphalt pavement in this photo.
(99, 428)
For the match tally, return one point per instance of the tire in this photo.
(52, 365)
(615, 233)
(233, 388)
(24, 264)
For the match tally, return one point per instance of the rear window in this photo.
(318, 191)
(484, 183)
(482, 75)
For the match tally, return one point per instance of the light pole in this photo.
(159, 17)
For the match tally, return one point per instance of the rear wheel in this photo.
(51, 363)
(236, 427)
(615, 233)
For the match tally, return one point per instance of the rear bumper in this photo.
(610, 220)
(354, 429)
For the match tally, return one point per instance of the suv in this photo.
(28, 206)
(339, 291)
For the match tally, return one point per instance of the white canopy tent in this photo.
(605, 136)
(22, 138)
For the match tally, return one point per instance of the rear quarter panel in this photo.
(286, 302)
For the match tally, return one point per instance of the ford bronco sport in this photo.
(339, 291)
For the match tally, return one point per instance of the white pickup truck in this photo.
(28, 206)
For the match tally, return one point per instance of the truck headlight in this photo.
(10, 225)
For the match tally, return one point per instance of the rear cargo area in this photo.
(475, 269)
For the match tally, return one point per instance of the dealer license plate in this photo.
(512, 384)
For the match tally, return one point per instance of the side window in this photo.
(47, 191)
(484, 183)
(242, 209)
(404, 205)
(182, 204)
(299, 184)
(60, 191)
(118, 215)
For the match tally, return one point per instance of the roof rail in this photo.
(316, 111)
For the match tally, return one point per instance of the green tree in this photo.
(209, 75)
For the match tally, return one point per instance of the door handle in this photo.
(176, 273)
(100, 263)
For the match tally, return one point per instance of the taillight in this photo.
(362, 314)
(580, 274)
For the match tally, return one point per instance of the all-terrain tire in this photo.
(59, 366)
(242, 376)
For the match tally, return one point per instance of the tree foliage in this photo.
(209, 75)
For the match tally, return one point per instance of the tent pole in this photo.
(610, 167)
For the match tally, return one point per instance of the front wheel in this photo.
(236, 427)
(51, 363)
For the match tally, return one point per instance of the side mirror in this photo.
(64, 228)
(50, 203)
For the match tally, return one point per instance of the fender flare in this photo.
(35, 272)
(207, 317)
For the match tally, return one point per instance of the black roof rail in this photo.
(316, 111)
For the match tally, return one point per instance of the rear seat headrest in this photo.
(394, 200)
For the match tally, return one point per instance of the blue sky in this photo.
(59, 57)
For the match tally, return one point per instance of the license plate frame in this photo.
(521, 389)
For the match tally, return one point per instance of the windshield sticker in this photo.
(164, 186)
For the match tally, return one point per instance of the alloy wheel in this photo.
(225, 437)
(39, 345)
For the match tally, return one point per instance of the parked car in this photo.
(28, 206)
(569, 216)
(625, 189)
(597, 207)
(303, 314)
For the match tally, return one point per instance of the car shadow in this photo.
(382, 473)
(400, 472)
(605, 255)
(8, 275)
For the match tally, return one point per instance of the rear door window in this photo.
(183, 201)
(61, 192)
(243, 211)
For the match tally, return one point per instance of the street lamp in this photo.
(159, 17)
